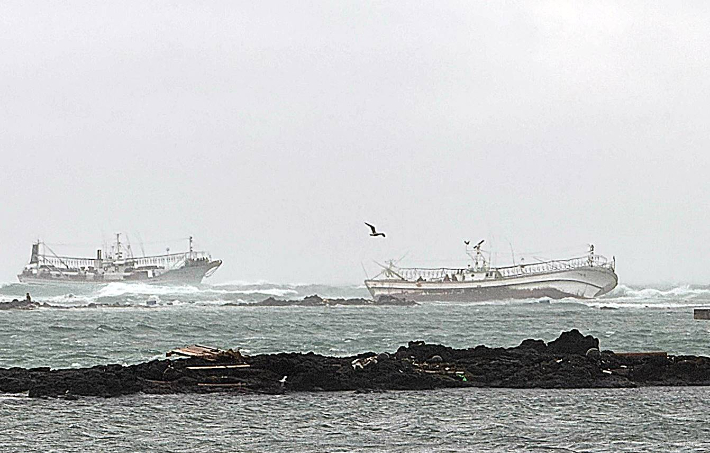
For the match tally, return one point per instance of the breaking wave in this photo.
(120, 289)
(683, 292)
(626, 296)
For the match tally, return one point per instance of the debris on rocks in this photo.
(207, 353)
(359, 364)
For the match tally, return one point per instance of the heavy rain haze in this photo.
(271, 131)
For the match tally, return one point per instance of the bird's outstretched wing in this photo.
(372, 227)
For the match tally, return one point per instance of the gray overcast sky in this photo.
(271, 130)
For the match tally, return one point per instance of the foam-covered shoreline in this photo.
(571, 361)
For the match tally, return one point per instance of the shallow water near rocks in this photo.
(642, 319)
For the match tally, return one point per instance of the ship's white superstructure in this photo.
(583, 277)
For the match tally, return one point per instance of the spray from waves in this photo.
(646, 305)
(629, 297)
(248, 288)
(265, 283)
(118, 289)
(140, 292)
(683, 292)
(683, 296)
(244, 283)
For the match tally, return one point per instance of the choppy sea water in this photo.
(150, 320)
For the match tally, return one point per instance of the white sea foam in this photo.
(244, 283)
(650, 305)
(122, 289)
(119, 289)
(271, 292)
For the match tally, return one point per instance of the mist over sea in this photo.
(131, 323)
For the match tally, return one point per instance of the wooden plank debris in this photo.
(207, 353)
(218, 367)
(195, 350)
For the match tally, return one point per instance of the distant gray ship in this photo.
(118, 265)
(585, 277)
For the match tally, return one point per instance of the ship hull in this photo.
(188, 275)
(581, 283)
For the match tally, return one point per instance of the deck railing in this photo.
(460, 274)
(167, 260)
(556, 265)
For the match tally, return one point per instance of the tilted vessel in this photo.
(582, 277)
(118, 264)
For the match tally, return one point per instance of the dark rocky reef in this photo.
(571, 361)
(310, 301)
(317, 301)
(23, 304)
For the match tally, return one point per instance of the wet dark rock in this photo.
(15, 304)
(391, 300)
(417, 366)
(537, 345)
(573, 342)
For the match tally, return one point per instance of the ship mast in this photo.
(118, 246)
(479, 261)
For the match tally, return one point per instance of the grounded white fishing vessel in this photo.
(118, 265)
(583, 277)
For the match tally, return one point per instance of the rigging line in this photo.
(88, 244)
(167, 241)
(140, 242)
(67, 244)
(558, 249)
(58, 257)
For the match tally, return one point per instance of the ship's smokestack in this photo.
(34, 259)
(98, 254)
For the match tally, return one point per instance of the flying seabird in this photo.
(466, 242)
(374, 231)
